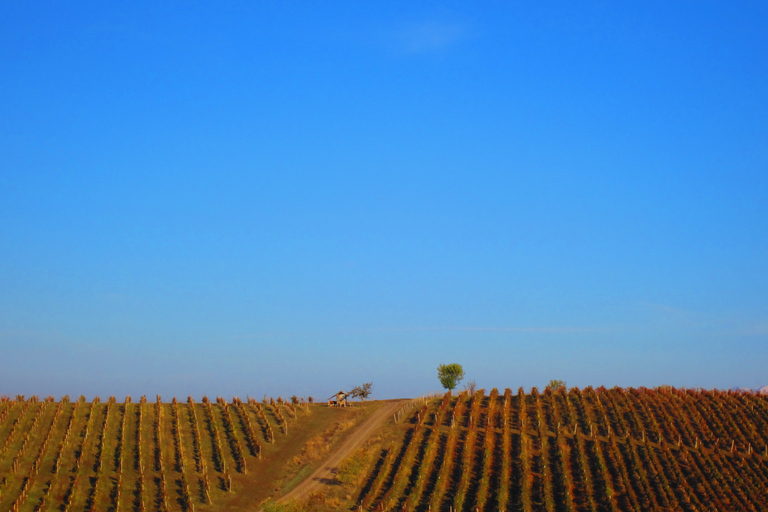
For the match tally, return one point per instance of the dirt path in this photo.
(326, 472)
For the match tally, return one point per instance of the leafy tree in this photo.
(362, 392)
(450, 375)
(556, 385)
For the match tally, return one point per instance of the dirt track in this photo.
(326, 472)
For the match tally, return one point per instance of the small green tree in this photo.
(450, 375)
(556, 385)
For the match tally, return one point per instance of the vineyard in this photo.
(145, 456)
(581, 450)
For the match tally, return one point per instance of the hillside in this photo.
(110, 456)
(591, 449)
(618, 449)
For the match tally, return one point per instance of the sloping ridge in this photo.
(327, 470)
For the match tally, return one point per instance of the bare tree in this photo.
(362, 392)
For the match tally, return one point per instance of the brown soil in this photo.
(325, 474)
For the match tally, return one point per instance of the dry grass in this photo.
(319, 445)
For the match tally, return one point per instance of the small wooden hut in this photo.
(338, 400)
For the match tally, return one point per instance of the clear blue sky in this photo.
(234, 198)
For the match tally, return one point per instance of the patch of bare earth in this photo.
(325, 475)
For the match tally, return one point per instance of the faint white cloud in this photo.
(711, 324)
(759, 329)
(23, 334)
(667, 309)
(111, 297)
(416, 329)
(552, 330)
(427, 37)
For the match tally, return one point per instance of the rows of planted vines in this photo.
(593, 450)
(129, 456)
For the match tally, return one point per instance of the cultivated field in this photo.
(591, 449)
(147, 456)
